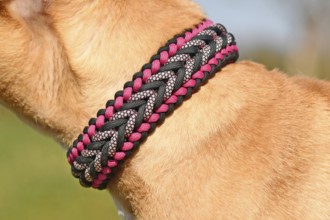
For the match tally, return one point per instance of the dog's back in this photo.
(252, 144)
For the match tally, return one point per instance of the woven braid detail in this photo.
(172, 75)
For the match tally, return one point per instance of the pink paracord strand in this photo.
(173, 74)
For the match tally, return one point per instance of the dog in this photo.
(258, 149)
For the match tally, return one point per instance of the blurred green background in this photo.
(36, 182)
(35, 179)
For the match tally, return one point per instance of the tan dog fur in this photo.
(258, 149)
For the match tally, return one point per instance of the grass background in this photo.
(35, 180)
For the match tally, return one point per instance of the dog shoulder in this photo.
(314, 87)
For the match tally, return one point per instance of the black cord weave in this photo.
(149, 102)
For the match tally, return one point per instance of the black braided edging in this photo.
(96, 154)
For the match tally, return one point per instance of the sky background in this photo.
(273, 23)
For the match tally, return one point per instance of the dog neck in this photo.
(77, 74)
(69, 75)
(134, 30)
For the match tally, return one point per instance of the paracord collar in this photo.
(178, 69)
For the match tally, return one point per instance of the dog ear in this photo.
(27, 10)
(34, 70)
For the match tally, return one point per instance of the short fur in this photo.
(258, 148)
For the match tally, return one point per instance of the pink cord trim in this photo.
(109, 112)
(100, 121)
(198, 75)
(119, 156)
(112, 163)
(162, 108)
(164, 57)
(137, 84)
(134, 137)
(146, 75)
(180, 42)
(91, 130)
(80, 146)
(127, 146)
(153, 118)
(155, 66)
(180, 92)
(119, 102)
(127, 93)
(74, 152)
(173, 49)
(101, 177)
(106, 170)
(144, 127)
(173, 99)
(86, 140)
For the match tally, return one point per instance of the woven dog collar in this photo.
(178, 69)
